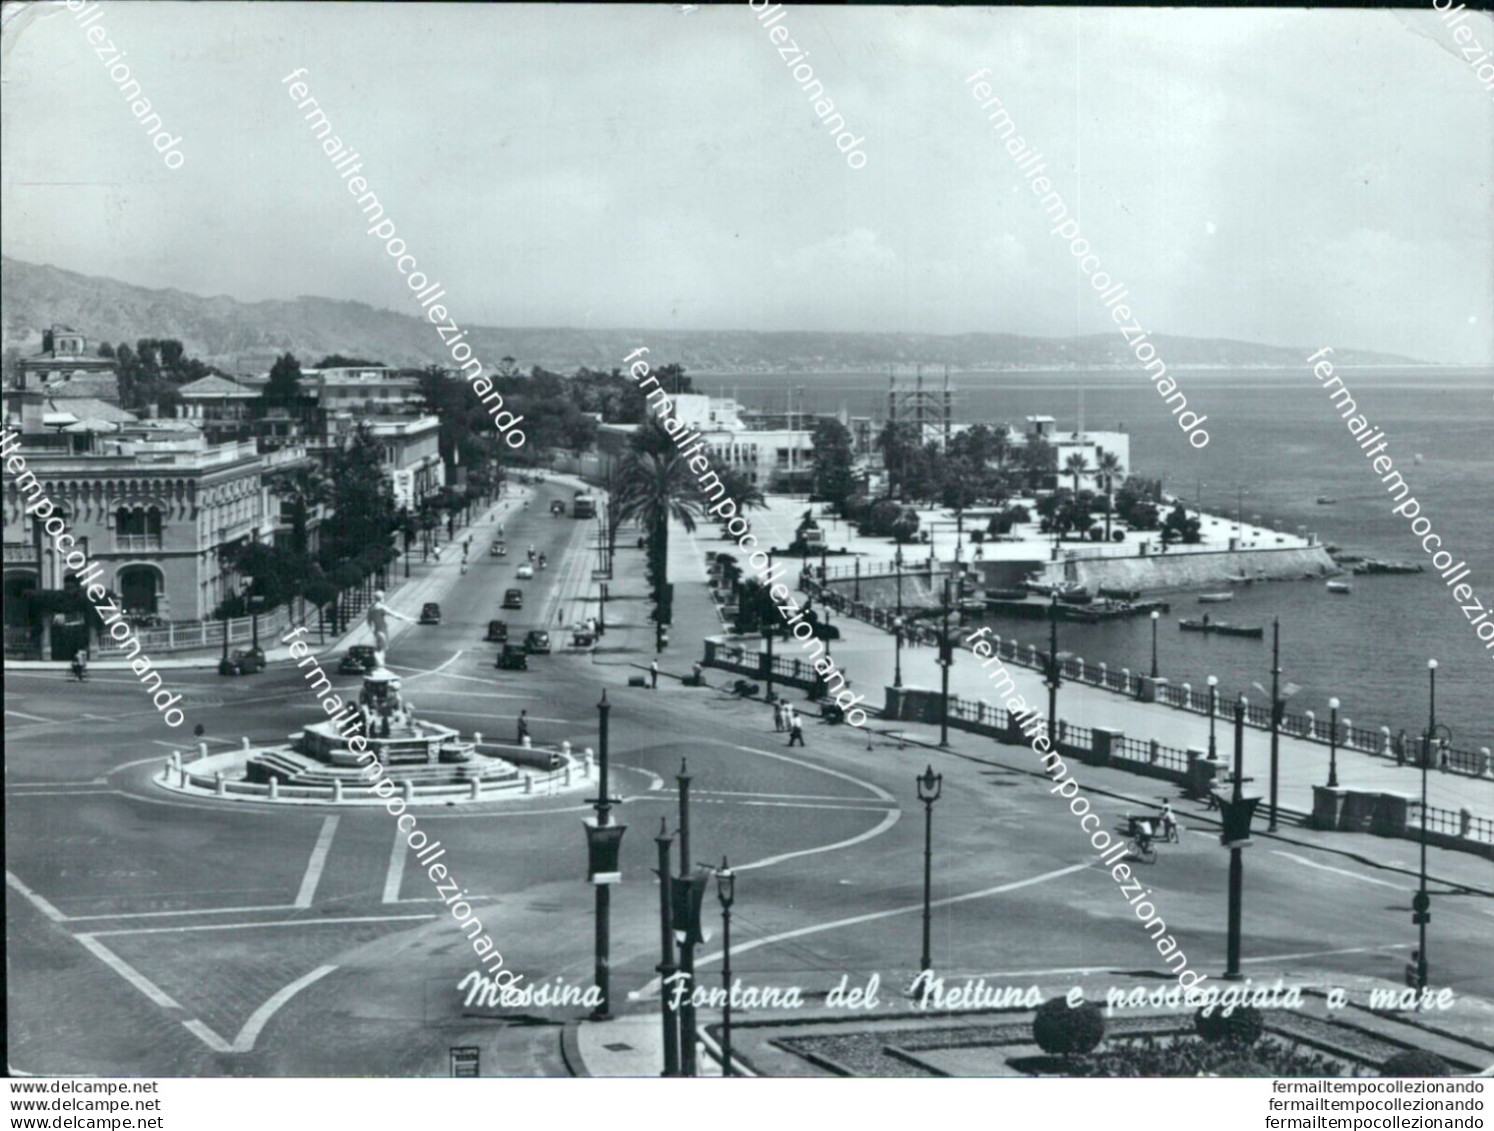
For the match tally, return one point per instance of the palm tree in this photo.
(655, 487)
(304, 487)
(1076, 467)
(1108, 470)
(739, 487)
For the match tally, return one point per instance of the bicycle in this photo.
(1140, 845)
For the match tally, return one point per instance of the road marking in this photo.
(130, 974)
(61, 792)
(244, 1042)
(655, 784)
(396, 873)
(877, 791)
(888, 820)
(37, 901)
(474, 715)
(1341, 871)
(447, 664)
(317, 862)
(424, 691)
(24, 715)
(259, 926)
(652, 986)
(1326, 953)
(192, 911)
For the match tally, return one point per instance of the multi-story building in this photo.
(1089, 445)
(152, 503)
(220, 406)
(65, 368)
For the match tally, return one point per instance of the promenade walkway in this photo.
(866, 655)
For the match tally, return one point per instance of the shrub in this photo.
(1241, 1067)
(1244, 1026)
(1062, 1031)
(1415, 1062)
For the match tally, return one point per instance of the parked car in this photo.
(512, 658)
(497, 632)
(498, 550)
(525, 572)
(358, 660)
(242, 661)
(513, 599)
(430, 613)
(537, 642)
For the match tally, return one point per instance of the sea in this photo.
(1276, 437)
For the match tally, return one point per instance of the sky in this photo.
(1282, 176)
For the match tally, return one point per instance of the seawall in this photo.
(1189, 570)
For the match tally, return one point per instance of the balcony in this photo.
(20, 553)
(136, 543)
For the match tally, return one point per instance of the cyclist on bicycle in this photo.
(1144, 835)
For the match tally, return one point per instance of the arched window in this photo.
(139, 588)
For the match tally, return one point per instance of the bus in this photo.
(584, 506)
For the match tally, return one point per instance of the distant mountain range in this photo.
(246, 337)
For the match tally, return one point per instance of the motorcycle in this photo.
(80, 671)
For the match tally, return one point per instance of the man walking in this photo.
(653, 674)
(796, 728)
(523, 726)
(778, 709)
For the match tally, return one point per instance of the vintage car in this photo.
(497, 632)
(513, 599)
(537, 642)
(242, 661)
(498, 550)
(358, 660)
(430, 613)
(525, 572)
(512, 658)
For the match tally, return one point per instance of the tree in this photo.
(832, 481)
(338, 361)
(1108, 469)
(106, 350)
(1039, 459)
(1076, 466)
(1181, 527)
(303, 487)
(284, 387)
(654, 488)
(361, 498)
(896, 442)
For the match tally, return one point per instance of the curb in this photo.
(570, 1049)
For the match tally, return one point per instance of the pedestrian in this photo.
(1400, 748)
(796, 728)
(778, 716)
(653, 674)
(523, 726)
(559, 616)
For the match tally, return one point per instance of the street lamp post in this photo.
(946, 659)
(1055, 676)
(1277, 708)
(1332, 744)
(666, 967)
(930, 785)
(1213, 703)
(726, 892)
(898, 561)
(767, 629)
(1236, 837)
(1421, 903)
(687, 947)
(897, 664)
(1156, 616)
(604, 846)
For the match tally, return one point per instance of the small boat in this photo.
(1340, 587)
(1374, 565)
(1214, 598)
(1222, 628)
(1326, 500)
(1006, 594)
(1075, 595)
(1114, 593)
(973, 605)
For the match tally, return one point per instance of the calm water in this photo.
(1277, 436)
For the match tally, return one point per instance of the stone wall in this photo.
(1178, 570)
